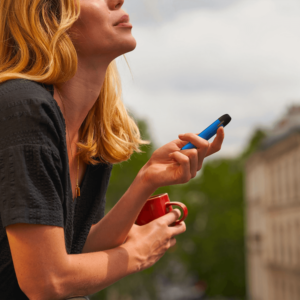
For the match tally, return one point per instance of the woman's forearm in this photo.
(112, 230)
(89, 273)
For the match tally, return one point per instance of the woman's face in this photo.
(96, 32)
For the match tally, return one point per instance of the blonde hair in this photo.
(37, 47)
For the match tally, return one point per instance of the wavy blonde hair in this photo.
(36, 46)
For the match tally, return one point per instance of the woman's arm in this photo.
(167, 165)
(45, 271)
(112, 230)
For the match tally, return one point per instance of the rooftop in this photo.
(286, 126)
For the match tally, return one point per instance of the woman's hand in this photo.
(148, 243)
(168, 165)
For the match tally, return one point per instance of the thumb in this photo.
(172, 216)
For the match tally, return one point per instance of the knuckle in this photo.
(166, 246)
(177, 212)
(173, 242)
(187, 178)
(194, 153)
(160, 222)
(186, 160)
(169, 234)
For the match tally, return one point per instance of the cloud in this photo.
(151, 12)
(203, 4)
(203, 63)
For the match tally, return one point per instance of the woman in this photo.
(63, 125)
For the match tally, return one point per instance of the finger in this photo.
(171, 216)
(202, 148)
(178, 229)
(184, 162)
(216, 145)
(200, 143)
(193, 156)
(202, 153)
(180, 143)
(172, 242)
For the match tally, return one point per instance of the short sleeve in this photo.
(31, 132)
(30, 187)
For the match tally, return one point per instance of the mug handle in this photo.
(183, 207)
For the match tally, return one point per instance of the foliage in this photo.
(254, 143)
(212, 249)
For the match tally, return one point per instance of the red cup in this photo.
(156, 207)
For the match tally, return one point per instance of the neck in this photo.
(80, 93)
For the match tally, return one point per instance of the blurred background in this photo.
(195, 61)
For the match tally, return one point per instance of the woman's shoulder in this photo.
(20, 84)
(16, 94)
(29, 115)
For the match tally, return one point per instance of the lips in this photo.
(124, 19)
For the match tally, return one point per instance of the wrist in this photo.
(145, 180)
(134, 265)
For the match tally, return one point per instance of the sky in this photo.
(197, 60)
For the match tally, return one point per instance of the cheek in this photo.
(93, 28)
(94, 16)
(94, 33)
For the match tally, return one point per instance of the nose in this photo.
(115, 4)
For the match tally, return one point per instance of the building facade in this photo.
(272, 193)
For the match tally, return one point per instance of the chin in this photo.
(128, 46)
(131, 45)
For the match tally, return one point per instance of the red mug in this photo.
(156, 207)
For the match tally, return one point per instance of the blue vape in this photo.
(211, 130)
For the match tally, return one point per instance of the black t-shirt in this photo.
(35, 184)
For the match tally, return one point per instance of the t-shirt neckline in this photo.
(50, 88)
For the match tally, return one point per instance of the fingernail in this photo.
(180, 135)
